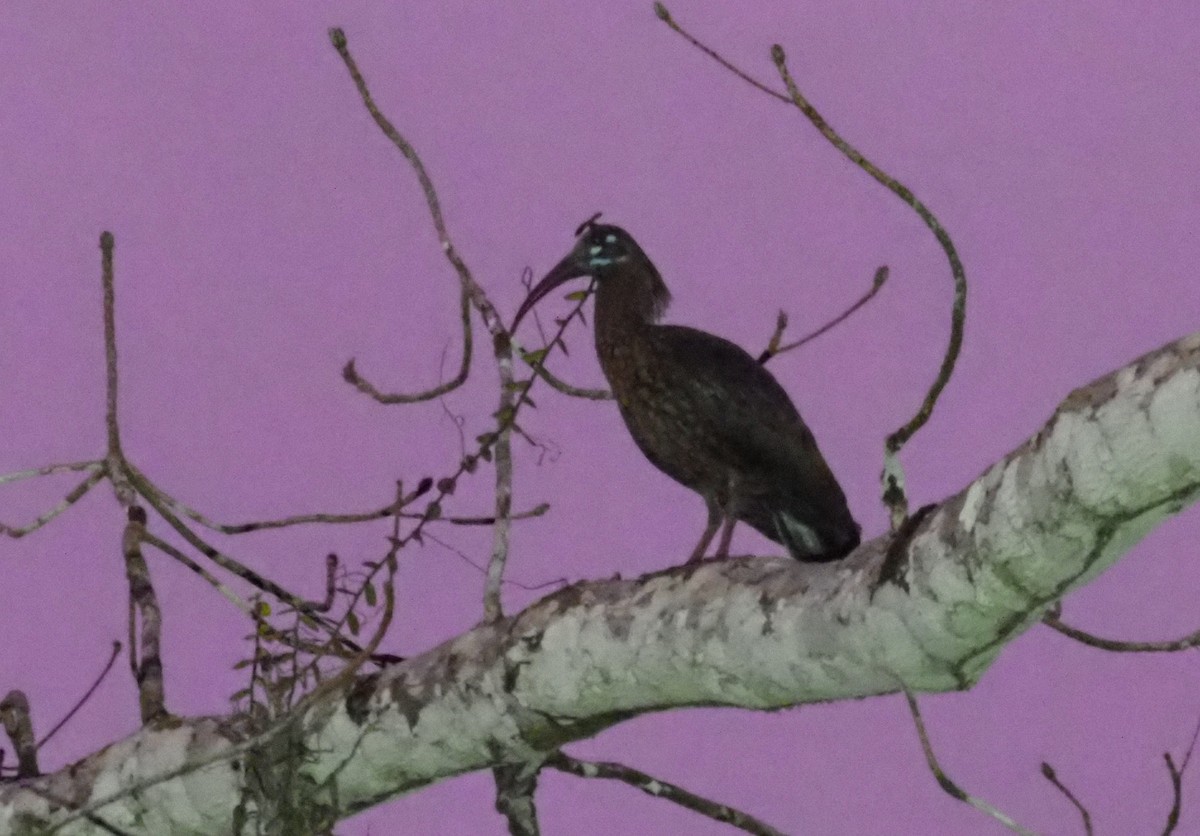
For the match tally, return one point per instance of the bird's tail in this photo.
(829, 542)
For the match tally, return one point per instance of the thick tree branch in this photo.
(1117, 457)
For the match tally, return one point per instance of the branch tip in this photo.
(337, 36)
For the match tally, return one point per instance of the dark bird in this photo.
(702, 410)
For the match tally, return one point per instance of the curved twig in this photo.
(774, 348)
(567, 389)
(74, 495)
(350, 372)
(952, 789)
(1187, 642)
(116, 649)
(1050, 775)
(491, 319)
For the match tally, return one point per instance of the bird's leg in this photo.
(714, 521)
(726, 536)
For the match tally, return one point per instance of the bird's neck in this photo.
(628, 302)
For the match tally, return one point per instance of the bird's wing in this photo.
(741, 404)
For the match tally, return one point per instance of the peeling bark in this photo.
(1117, 457)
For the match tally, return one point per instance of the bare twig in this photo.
(1176, 774)
(567, 388)
(351, 375)
(115, 457)
(14, 713)
(665, 17)
(146, 660)
(773, 346)
(116, 649)
(331, 567)
(1051, 776)
(49, 470)
(169, 550)
(157, 500)
(952, 789)
(535, 511)
(491, 319)
(284, 522)
(662, 789)
(1187, 642)
(74, 495)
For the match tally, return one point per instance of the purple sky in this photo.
(266, 232)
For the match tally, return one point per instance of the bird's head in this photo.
(604, 251)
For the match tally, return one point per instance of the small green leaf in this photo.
(240, 694)
(532, 357)
(352, 623)
(369, 594)
(245, 663)
(576, 296)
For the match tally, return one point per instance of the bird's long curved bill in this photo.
(567, 269)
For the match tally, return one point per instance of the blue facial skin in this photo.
(596, 260)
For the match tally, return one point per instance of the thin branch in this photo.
(1186, 643)
(285, 522)
(1176, 794)
(14, 714)
(1177, 782)
(665, 17)
(662, 789)
(115, 457)
(166, 548)
(774, 348)
(74, 495)
(350, 372)
(491, 319)
(50, 469)
(147, 660)
(1051, 776)
(952, 789)
(568, 389)
(157, 500)
(535, 511)
(116, 649)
